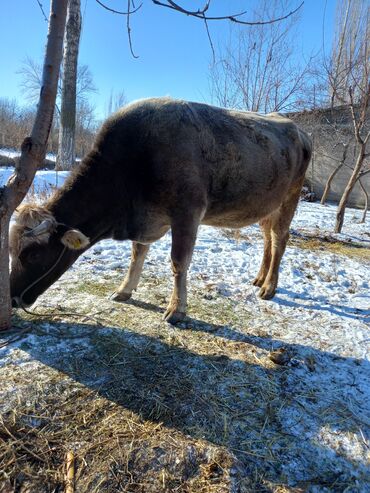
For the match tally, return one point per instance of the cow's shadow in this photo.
(290, 409)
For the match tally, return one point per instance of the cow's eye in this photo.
(33, 257)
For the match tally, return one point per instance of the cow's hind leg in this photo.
(279, 222)
(265, 225)
(184, 232)
(131, 281)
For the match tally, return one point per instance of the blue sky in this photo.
(174, 52)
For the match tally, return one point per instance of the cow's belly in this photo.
(241, 213)
(146, 237)
(234, 219)
(148, 226)
(238, 196)
(231, 220)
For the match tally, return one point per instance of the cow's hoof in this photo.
(120, 297)
(173, 317)
(266, 293)
(258, 282)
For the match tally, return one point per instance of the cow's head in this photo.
(41, 250)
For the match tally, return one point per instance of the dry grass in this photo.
(315, 242)
(41, 194)
(149, 408)
(329, 244)
(115, 449)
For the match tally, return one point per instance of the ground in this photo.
(244, 396)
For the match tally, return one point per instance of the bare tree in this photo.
(31, 75)
(66, 150)
(115, 101)
(33, 149)
(257, 70)
(345, 64)
(15, 122)
(86, 126)
(362, 136)
(348, 72)
(31, 79)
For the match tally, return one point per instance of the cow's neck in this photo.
(89, 198)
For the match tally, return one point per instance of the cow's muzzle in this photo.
(19, 303)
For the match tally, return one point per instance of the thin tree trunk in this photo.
(363, 219)
(5, 307)
(66, 150)
(347, 191)
(333, 175)
(328, 184)
(33, 149)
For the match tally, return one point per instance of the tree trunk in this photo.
(5, 306)
(329, 182)
(333, 175)
(66, 150)
(363, 219)
(347, 191)
(33, 148)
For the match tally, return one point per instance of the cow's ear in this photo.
(75, 240)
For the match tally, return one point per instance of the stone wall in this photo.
(329, 130)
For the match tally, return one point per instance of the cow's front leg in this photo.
(184, 234)
(131, 281)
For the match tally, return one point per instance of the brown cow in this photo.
(159, 164)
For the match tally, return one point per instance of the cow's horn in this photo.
(44, 227)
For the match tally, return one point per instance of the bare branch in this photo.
(354, 119)
(210, 40)
(366, 205)
(332, 158)
(199, 11)
(272, 21)
(42, 10)
(129, 29)
(200, 14)
(363, 173)
(118, 11)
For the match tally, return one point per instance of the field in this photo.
(244, 396)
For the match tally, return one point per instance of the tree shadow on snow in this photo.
(320, 303)
(290, 409)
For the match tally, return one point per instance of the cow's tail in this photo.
(306, 147)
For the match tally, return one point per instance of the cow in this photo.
(160, 164)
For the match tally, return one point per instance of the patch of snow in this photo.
(44, 182)
(14, 153)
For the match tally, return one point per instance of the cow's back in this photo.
(240, 164)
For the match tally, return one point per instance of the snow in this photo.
(13, 153)
(313, 217)
(43, 183)
(321, 311)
